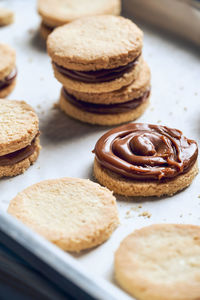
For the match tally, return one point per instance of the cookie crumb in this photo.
(145, 214)
(185, 109)
(38, 106)
(181, 216)
(159, 121)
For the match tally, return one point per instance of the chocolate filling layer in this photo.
(146, 152)
(8, 79)
(17, 156)
(106, 109)
(103, 75)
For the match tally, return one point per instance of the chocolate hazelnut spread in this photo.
(106, 109)
(146, 152)
(17, 156)
(8, 79)
(99, 76)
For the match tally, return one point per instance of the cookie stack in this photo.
(55, 13)
(99, 62)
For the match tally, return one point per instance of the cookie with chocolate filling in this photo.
(145, 160)
(59, 12)
(8, 71)
(96, 54)
(74, 214)
(19, 137)
(112, 108)
(160, 262)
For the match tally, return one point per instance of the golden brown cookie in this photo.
(59, 12)
(135, 90)
(74, 214)
(95, 43)
(6, 16)
(8, 70)
(141, 160)
(160, 262)
(100, 118)
(19, 142)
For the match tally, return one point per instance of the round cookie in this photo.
(19, 141)
(59, 12)
(101, 119)
(141, 160)
(102, 87)
(74, 214)
(133, 91)
(6, 16)
(95, 43)
(160, 262)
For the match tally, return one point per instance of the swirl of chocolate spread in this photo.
(8, 79)
(109, 108)
(99, 76)
(146, 152)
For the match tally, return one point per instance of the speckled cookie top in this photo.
(101, 42)
(59, 12)
(7, 60)
(72, 213)
(19, 125)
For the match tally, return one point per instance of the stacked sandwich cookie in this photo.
(8, 71)
(19, 137)
(55, 13)
(99, 62)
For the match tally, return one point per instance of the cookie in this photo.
(135, 90)
(113, 114)
(95, 43)
(141, 160)
(160, 262)
(8, 71)
(74, 214)
(59, 12)
(6, 16)
(19, 137)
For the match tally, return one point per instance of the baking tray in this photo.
(68, 144)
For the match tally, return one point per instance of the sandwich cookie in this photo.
(145, 160)
(55, 13)
(19, 137)
(160, 262)
(123, 105)
(8, 71)
(96, 54)
(74, 214)
(6, 16)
